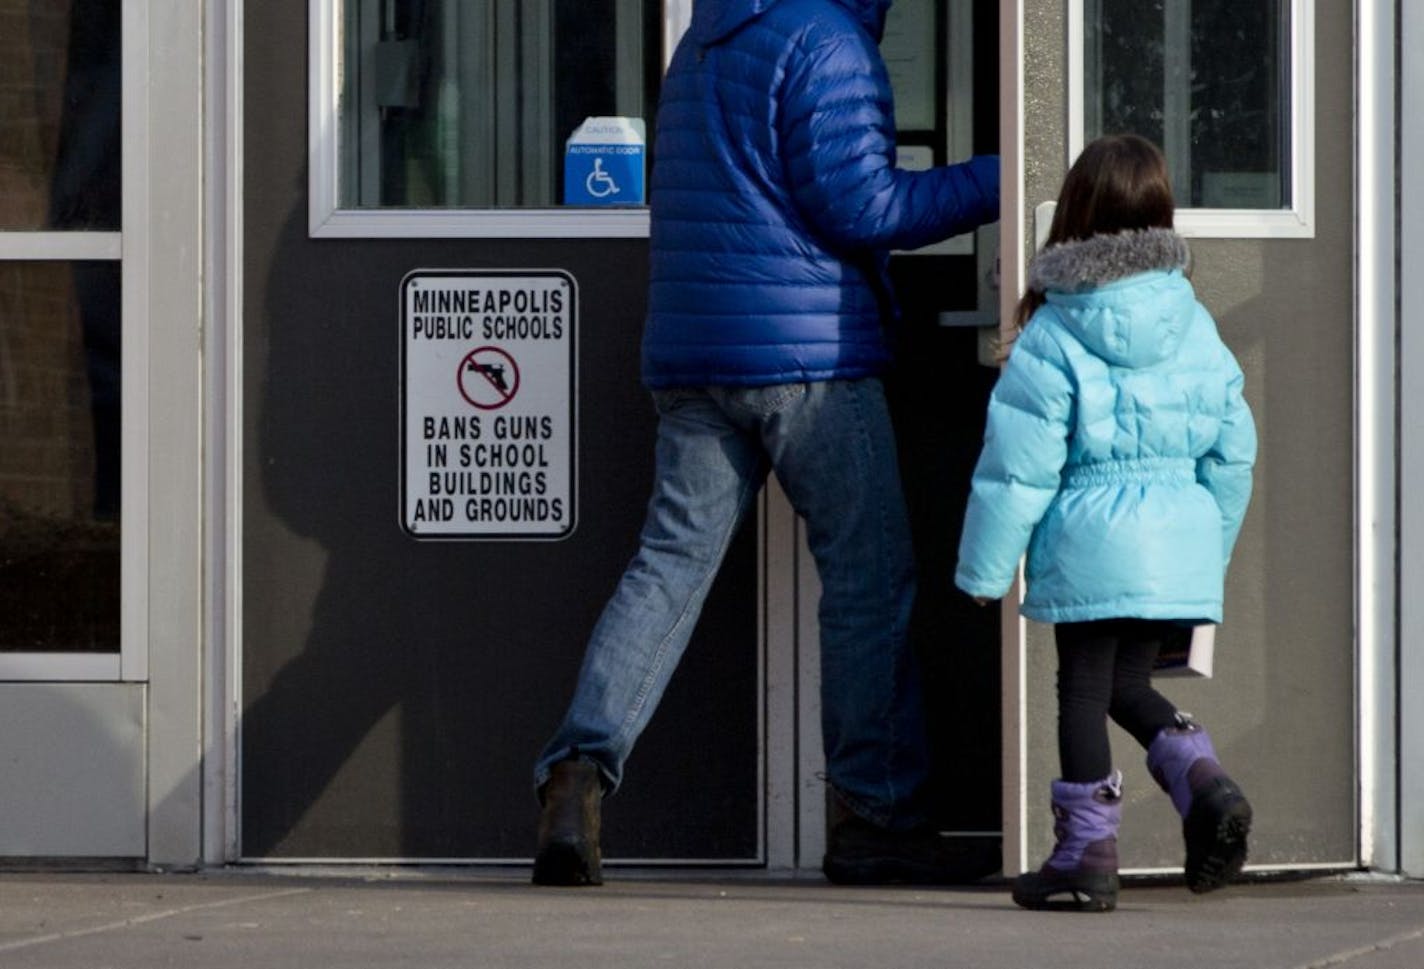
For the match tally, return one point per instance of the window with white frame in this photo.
(73, 340)
(462, 118)
(455, 117)
(1223, 86)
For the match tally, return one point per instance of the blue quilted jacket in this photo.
(775, 199)
(1119, 447)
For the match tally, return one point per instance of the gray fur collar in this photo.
(1082, 263)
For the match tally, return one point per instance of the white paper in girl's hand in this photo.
(1195, 659)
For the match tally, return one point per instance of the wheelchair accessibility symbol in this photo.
(599, 183)
(488, 378)
(603, 163)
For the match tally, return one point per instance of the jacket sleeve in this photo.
(1225, 470)
(836, 122)
(1020, 467)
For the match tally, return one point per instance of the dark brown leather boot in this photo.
(568, 851)
(861, 853)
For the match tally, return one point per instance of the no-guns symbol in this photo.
(488, 378)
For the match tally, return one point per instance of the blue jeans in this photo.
(832, 448)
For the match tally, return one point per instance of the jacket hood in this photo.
(1123, 295)
(712, 20)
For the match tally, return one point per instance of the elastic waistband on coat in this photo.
(1146, 470)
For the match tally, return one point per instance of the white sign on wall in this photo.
(489, 404)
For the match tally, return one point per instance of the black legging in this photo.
(1105, 670)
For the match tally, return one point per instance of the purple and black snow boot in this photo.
(1081, 874)
(1216, 817)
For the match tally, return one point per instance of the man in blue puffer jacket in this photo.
(775, 203)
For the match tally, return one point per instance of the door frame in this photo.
(1398, 763)
(223, 340)
(1013, 242)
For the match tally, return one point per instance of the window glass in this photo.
(1205, 79)
(59, 114)
(59, 456)
(60, 158)
(470, 103)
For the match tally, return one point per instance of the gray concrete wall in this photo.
(1281, 705)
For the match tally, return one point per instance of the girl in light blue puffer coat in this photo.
(1118, 455)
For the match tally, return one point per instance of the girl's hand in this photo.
(980, 601)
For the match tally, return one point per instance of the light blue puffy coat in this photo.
(1119, 447)
(775, 199)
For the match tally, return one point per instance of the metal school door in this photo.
(398, 675)
(397, 680)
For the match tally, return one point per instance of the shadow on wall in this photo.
(369, 728)
(396, 691)
(307, 709)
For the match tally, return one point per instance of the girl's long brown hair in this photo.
(1119, 182)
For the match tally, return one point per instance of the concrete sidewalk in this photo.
(457, 917)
